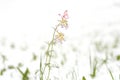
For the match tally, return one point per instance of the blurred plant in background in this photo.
(105, 54)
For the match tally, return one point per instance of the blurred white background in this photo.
(30, 22)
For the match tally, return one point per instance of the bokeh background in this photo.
(26, 26)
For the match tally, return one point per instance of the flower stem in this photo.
(49, 55)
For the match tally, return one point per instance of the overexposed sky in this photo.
(35, 18)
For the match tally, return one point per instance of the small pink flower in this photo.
(63, 22)
(65, 15)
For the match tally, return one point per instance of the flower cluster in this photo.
(59, 37)
(63, 23)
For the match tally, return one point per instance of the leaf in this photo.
(83, 78)
(11, 67)
(20, 70)
(118, 57)
(34, 57)
(110, 73)
(3, 58)
(24, 74)
(2, 71)
(94, 69)
(20, 64)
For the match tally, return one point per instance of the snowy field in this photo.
(92, 41)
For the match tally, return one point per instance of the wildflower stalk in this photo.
(50, 47)
(51, 43)
(49, 55)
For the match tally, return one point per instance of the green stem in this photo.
(48, 57)
(110, 72)
(51, 52)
